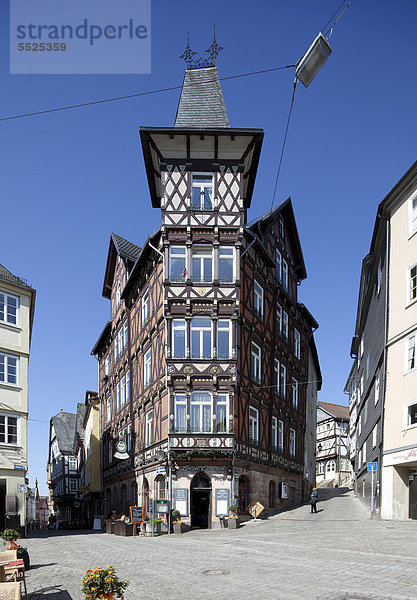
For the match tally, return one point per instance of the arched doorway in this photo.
(200, 501)
(243, 493)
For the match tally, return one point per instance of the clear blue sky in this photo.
(69, 179)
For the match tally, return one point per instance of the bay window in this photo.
(178, 338)
(180, 413)
(221, 413)
(177, 263)
(202, 191)
(224, 338)
(201, 342)
(226, 261)
(200, 409)
(202, 264)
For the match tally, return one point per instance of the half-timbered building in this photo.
(204, 363)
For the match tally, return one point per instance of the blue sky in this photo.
(69, 179)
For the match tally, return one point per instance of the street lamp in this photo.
(310, 64)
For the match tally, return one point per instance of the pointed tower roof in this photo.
(201, 101)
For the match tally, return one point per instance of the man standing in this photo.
(314, 500)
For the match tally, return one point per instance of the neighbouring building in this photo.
(17, 306)
(332, 454)
(383, 379)
(63, 475)
(204, 364)
(314, 386)
(88, 460)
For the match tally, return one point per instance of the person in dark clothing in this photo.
(314, 500)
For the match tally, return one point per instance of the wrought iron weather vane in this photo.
(201, 62)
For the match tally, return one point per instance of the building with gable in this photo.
(203, 366)
(17, 306)
(332, 454)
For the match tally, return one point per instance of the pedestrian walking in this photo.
(314, 500)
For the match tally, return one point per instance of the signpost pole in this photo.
(372, 493)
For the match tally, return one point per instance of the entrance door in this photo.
(200, 501)
(413, 498)
(243, 493)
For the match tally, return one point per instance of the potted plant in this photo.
(156, 526)
(23, 554)
(233, 521)
(103, 583)
(177, 524)
(10, 535)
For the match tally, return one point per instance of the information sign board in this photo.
(161, 506)
(222, 502)
(181, 501)
(136, 514)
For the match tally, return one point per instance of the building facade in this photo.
(17, 305)
(88, 460)
(382, 380)
(203, 367)
(333, 464)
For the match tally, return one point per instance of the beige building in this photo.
(17, 303)
(90, 477)
(399, 472)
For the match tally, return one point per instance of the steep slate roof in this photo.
(335, 410)
(125, 248)
(201, 101)
(64, 424)
(118, 246)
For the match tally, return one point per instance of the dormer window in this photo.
(202, 191)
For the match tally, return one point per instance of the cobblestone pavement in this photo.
(337, 554)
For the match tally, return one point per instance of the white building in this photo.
(17, 304)
(333, 465)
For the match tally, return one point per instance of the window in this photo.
(221, 413)
(118, 396)
(285, 324)
(72, 463)
(178, 338)
(258, 299)
(410, 353)
(202, 191)
(202, 264)
(277, 371)
(256, 362)
(118, 294)
(200, 412)
(412, 414)
(331, 466)
(279, 319)
(108, 409)
(292, 443)
(274, 433)
(320, 468)
(123, 391)
(412, 214)
(224, 338)
(73, 485)
(127, 397)
(8, 430)
(177, 263)
(125, 335)
(374, 435)
(281, 436)
(145, 307)
(285, 274)
(147, 368)
(278, 264)
(412, 283)
(149, 428)
(281, 226)
(297, 343)
(253, 425)
(9, 369)
(201, 342)
(180, 413)
(281, 269)
(9, 309)
(283, 382)
(106, 366)
(294, 390)
(377, 387)
(360, 424)
(226, 262)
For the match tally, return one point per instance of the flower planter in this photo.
(233, 523)
(148, 529)
(178, 527)
(24, 555)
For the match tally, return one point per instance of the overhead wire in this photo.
(138, 94)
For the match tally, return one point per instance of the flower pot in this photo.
(178, 527)
(148, 528)
(233, 523)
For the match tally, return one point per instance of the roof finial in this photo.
(201, 62)
(188, 54)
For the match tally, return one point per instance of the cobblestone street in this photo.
(293, 555)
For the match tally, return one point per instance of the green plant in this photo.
(233, 510)
(176, 516)
(10, 535)
(102, 583)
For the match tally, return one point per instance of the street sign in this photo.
(161, 471)
(372, 466)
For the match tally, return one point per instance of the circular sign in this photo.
(121, 446)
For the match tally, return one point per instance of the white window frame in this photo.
(178, 325)
(202, 329)
(224, 325)
(281, 226)
(256, 362)
(294, 392)
(209, 185)
(285, 274)
(253, 425)
(407, 418)
(147, 368)
(292, 445)
(278, 265)
(118, 396)
(283, 381)
(279, 319)
(180, 403)
(297, 343)
(377, 386)
(72, 485)
(6, 418)
(374, 435)
(108, 409)
(206, 254)
(72, 463)
(412, 214)
(285, 324)
(178, 253)
(258, 299)
(106, 366)
(280, 436)
(222, 400)
(224, 255)
(277, 370)
(145, 308)
(4, 314)
(149, 428)
(199, 407)
(6, 359)
(410, 353)
(412, 283)
(118, 294)
(274, 426)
